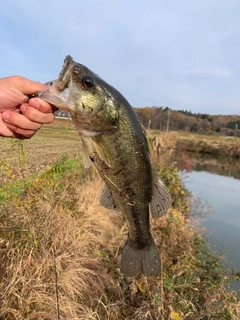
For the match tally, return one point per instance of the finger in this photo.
(19, 132)
(4, 130)
(41, 105)
(24, 85)
(8, 133)
(14, 91)
(16, 120)
(35, 115)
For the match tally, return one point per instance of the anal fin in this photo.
(161, 199)
(106, 200)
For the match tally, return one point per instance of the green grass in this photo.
(15, 188)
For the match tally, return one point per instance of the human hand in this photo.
(19, 116)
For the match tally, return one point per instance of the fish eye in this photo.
(87, 82)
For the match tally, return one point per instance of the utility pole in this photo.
(149, 125)
(236, 128)
(168, 119)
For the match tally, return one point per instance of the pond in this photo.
(215, 188)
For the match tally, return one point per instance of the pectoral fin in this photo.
(84, 152)
(161, 199)
(102, 150)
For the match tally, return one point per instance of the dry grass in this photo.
(165, 145)
(86, 241)
(230, 150)
(55, 230)
(186, 135)
(77, 241)
(162, 145)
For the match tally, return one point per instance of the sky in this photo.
(184, 55)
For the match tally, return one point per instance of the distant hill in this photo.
(157, 118)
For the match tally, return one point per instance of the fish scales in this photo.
(129, 177)
(113, 140)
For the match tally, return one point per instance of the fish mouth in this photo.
(58, 91)
(53, 96)
(65, 75)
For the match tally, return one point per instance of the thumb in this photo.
(25, 85)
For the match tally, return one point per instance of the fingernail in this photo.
(34, 103)
(5, 116)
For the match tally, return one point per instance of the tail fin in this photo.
(145, 261)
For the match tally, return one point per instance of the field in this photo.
(43, 150)
(60, 250)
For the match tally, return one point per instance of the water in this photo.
(217, 184)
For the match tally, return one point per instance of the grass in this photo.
(55, 236)
(185, 135)
(13, 188)
(220, 146)
(42, 151)
(27, 268)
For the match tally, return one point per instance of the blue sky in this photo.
(180, 54)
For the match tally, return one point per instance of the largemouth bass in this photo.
(113, 140)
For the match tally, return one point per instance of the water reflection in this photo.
(206, 163)
(217, 183)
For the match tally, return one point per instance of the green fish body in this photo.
(113, 140)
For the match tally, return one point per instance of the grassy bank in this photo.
(60, 251)
(221, 146)
(230, 150)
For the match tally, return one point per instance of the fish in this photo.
(113, 139)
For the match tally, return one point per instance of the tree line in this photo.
(159, 117)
